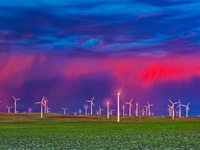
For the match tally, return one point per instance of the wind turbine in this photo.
(172, 107)
(186, 108)
(111, 110)
(42, 104)
(136, 110)
(64, 109)
(29, 110)
(179, 105)
(149, 105)
(8, 109)
(170, 110)
(130, 105)
(118, 111)
(45, 106)
(123, 110)
(48, 109)
(91, 104)
(100, 109)
(146, 109)
(143, 111)
(86, 107)
(79, 111)
(108, 110)
(15, 103)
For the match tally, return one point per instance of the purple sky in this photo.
(70, 51)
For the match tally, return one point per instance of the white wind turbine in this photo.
(86, 107)
(118, 106)
(15, 103)
(100, 109)
(64, 109)
(143, 111)
(79, 111)
(42, 104)
(48, 109)
(8, 109)
(179, 105)
(172, 107)
(123, 110)
(146, 110)
(170, 110)
(91, 104)
(29, 110)
(45, 106)
(149, 105)
(186, 108)
(111, 110)
(136, 110)
(108, 105)
(130, 105)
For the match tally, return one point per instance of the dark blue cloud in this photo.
(119, 25)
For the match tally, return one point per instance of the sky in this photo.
(70, 51)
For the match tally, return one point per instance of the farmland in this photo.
(27, 131)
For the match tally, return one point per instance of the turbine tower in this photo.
(149, 105)
(42, 104)
(172, 107)
(130, 105)
(91, 104)
(15, 103)
(64, 109)
(8, 109)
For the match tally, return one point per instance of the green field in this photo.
(27, 131)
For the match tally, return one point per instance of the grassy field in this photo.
(27, 131)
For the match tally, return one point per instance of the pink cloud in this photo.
(15, 68)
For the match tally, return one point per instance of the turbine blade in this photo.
(13, 97)
(170, 101)
(92, 98)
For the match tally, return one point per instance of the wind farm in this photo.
(60, 123)
(98, 75)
